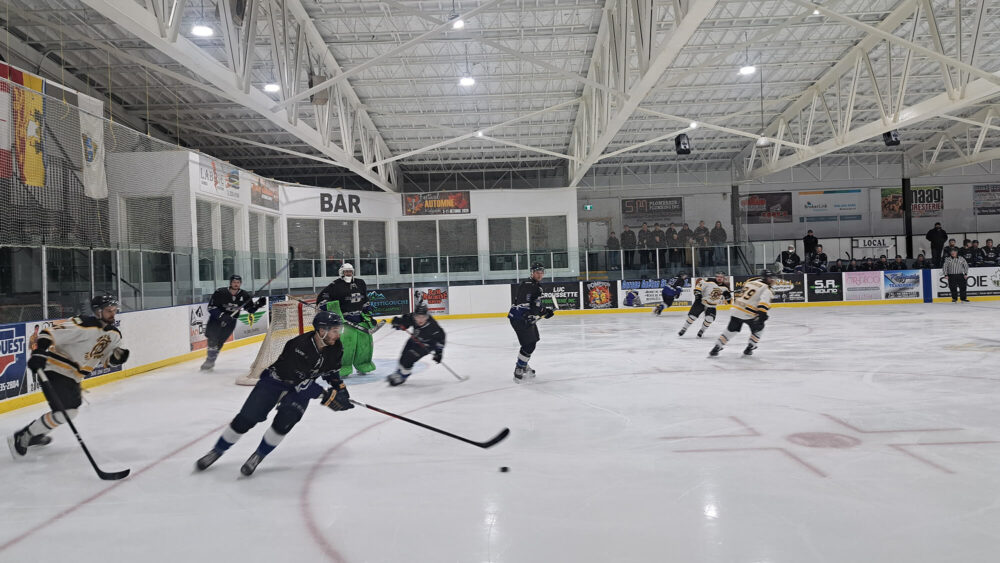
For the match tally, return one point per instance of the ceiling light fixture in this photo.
(467, 80)
(815, 12)
(456, 22)
(479, 133)
(747, 69)
(200, 29)
(693, 125)
(272, 88)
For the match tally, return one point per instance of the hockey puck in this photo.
(504, 469)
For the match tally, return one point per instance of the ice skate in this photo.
(251, 464)
(682, 331)
(396, 378)
(40, 440)
(658, 309)
(748, 351)
(18, 443)
(715, 350)
(208, 459)
(701, 333)
(523, 373)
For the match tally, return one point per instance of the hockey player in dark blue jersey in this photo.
(524, 313)
(671, 291)
(287, 386)
(427, 338)
(223, 309)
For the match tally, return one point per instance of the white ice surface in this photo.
(597, 451)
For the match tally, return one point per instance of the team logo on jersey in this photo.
(11, 348)
(251, 319)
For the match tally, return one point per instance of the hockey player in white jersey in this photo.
(708, 295)
(68, 352)
(750, 308)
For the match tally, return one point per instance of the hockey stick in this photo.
(487, 444)
(378, 325)
(424, 346)
(104, 475)
(278, 273)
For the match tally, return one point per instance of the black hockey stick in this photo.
(487, 444)
(379, 324)
(424, 346)
(104, 475)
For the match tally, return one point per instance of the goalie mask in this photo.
(346, 272)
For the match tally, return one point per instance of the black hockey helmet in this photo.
(537, 267)
(326, 319)
(420, 309)
(101, 302)
(767, 276)
(235, 277)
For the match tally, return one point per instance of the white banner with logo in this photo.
(95, 180)
(982, 282)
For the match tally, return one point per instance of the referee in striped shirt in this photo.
(956, 268)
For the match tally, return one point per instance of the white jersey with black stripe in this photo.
(79, 346)
(755, 297)
(712, 294)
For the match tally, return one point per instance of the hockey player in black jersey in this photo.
(671, 291)
(67, 353)
(524, 313)
(288, 384)
(427, 338)
(223, 309)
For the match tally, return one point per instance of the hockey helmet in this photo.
(537, 267)
(346, 267)
(101, 302)
(420, 309)
(235, 277)
(327, 320)
(767, 276)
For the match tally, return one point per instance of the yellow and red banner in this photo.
(28, 111)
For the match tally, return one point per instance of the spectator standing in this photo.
(719, 237)
(642, 241)
(628, 246)
(990, 254)
(701, 231)
(685, 234)
(658, 241)
(614, 246)
(789, 260)
(670, 232)
(956, 268)
(937, 237)
(676, 250)
(809, 243)
(705, 251)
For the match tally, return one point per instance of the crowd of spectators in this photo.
(668, 248)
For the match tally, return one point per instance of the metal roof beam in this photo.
(142, 24)
(597, 121)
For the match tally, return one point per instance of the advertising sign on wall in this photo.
(902, 284)
(567, 295)
(387, 302)
(825, 287)
(599, 295)
(661, 210)
(862, 286)
(773, 207)
(928, 201)
(13, 358)
(218, 178)
(436, 299)
(650, 292)
(264, 192)
(787, 288)
(982, 281)
(986, 199)
(892, 203)
(438, 203)
(829, 205)
(198, 321)
(252, 324)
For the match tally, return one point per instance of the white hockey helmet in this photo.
(344, 267)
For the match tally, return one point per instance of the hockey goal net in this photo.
(289, 319)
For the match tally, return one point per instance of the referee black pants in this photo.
(957, 284)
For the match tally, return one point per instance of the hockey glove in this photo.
(727, 296)
(397, 323)
(437, 355)
(337, 397)
(762, 317)
(547, 313)
(118, 357)
(368, 309)
(36, 362)
(260, 302)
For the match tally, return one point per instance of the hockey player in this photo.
(708, 294)
(524, 313)
(348, 297)
(671, 291)
(427, 338)
(223, 309)
(288, 384)
(750, 308)
(67, 353)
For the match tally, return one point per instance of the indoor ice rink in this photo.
(198, 192)
(852, 434)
